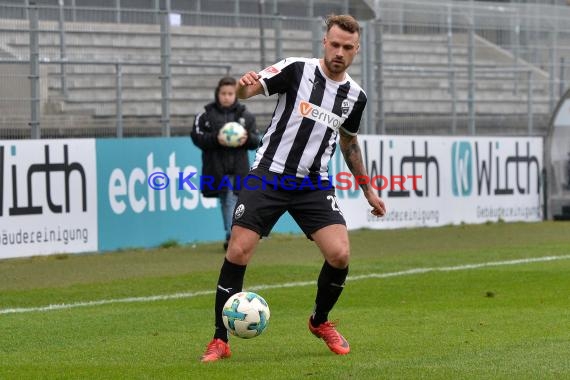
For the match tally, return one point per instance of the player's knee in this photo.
(340, 259)
(238, 255)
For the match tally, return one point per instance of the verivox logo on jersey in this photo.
(305, 108)
(316, 113)
(461, 168)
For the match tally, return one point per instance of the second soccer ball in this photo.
(233, 133)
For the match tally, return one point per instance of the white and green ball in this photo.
(246, 315)
(232, 133)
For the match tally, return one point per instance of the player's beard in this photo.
(335, 67)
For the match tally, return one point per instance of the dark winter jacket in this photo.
(218, 160)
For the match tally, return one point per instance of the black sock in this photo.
(230, 282)
(329, 286)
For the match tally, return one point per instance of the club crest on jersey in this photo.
(239, 211)
(318, 114)
(345, 106)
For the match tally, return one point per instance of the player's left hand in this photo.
(378, 206)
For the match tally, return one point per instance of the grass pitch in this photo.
(404, 317)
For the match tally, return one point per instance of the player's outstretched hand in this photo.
(249, 79)
(249, 85)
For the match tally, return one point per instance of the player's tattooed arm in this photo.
(353, 156)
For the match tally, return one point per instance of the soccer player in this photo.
(317, 102)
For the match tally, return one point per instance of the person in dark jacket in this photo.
(218, 159)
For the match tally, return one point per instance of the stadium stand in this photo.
(417, 93)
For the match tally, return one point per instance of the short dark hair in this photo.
(227, 81)
(345, 22)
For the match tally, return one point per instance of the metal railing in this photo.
(119, 13)
(453, 76)
(517, 41)
(427, 67)
(118, 75)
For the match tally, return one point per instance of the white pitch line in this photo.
(281, 286)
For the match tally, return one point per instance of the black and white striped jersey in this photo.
(311, 108)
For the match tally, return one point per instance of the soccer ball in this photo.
(245, 315)
(232, 133)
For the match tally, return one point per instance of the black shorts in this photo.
(260, 204)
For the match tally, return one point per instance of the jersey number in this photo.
(334, 204)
